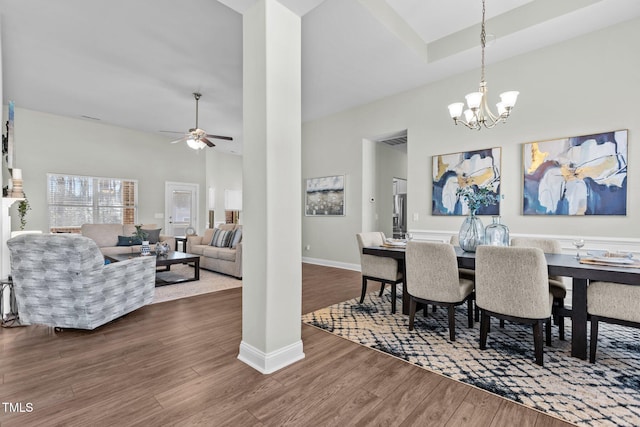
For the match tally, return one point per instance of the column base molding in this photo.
(268, 363)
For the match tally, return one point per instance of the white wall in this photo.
(586, 85)
(47, 143)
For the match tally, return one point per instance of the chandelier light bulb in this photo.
(474, 99)
(501, 108)
(469, 116)
(509, 98)
(455, 110)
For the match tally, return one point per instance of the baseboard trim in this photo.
(268, 363)
(330, 263)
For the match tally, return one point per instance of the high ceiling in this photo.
(136, 63)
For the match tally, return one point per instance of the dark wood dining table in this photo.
(558, 265)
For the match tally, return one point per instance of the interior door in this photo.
(181, 210)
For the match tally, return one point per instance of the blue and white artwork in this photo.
(468, 169)
(581, 175)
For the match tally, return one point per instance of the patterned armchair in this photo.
(61, 280)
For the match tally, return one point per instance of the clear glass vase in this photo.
(471, 233)
(496, 234)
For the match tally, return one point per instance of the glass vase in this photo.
(471, 233)
(496, 234)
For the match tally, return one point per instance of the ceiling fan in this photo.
(197, 138)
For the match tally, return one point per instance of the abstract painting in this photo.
(325, 196)
(467, 169)
(581, 175)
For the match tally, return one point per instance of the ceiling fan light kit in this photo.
(197, 138)
(478, 113)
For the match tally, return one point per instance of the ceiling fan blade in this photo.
(170, 131)
(227, 138)
(206, 141)
(184, 138)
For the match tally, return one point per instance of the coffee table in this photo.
(167, 261)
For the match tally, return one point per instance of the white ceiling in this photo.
(136, 63)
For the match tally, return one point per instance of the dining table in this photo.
(564, 265)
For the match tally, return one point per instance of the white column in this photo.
(272, 206)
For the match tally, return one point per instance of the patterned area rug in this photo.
(604, 393)
(209, 282)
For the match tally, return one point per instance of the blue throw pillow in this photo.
(128, 241)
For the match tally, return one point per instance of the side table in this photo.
(183, 240)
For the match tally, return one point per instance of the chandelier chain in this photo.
(478, 114)
(483, 41)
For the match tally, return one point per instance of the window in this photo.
(75, 200)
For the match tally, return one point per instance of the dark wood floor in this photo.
(176, 363)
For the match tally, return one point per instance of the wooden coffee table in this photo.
(167, 261)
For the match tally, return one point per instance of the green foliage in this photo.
(23, 207)
(140, 233)
(475, 196)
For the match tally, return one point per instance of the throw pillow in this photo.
(221, 238)
(153, 235)
(128, 241)
(237, 237)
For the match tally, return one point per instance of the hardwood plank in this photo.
(176, 363)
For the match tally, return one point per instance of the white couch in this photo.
(224, 260)
(106, 237)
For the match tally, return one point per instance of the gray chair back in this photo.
(548, 246)
(513, 281)
(432, 272)
(375, 266)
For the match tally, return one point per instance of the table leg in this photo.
(579, 319)
(196, 268)
(406, 302)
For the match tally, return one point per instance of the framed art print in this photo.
(324, 196)
(467, 169)
(580, 175)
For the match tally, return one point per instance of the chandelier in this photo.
(478, 113)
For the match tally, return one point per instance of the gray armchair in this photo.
(61, 280)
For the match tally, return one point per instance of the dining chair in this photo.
(512, 284)
(611, 303)
(556, 285)
(432, 278)
(465, 273)
(378, 269)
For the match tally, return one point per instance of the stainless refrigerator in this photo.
(399, 215)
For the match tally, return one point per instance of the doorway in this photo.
(181, 207)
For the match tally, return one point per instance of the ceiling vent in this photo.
(398, 140)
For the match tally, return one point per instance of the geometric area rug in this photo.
(601, 394)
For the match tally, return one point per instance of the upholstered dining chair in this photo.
(611, 303)
(378, 269)
(512, 284)
(556, 286)
(465, 273)
(432, 278)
